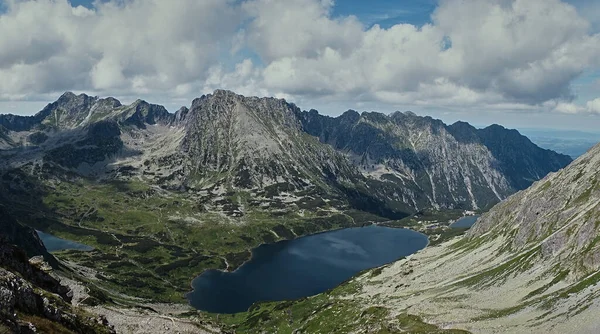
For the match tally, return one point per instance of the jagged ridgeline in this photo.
(435, 165)
(388, 165)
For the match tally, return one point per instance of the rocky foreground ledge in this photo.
(33, 301)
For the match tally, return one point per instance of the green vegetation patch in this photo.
(558, 278)
(151, 243)
(329, 312)
(414, 324)
(501, 272)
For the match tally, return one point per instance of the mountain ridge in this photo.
(416, 162)
(410, 147)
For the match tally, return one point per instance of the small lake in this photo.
(54, 244)
(302, 267)
(465, 222)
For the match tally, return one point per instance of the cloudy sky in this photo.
(521, 63)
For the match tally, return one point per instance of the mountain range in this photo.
(400, 163)
(164, 196)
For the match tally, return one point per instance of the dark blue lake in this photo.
(302, 267)
(465, 222)
(54, 244)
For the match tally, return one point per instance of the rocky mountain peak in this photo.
(225, 93)
(403, 115)
(140, 104)
(230, 134)
(375, 117)
(464, 132)
(462, 125)
(181, 115)
(109, 102)
(224, 103)
(349, 114)
(67, 96)
(67, 112)
(74, 103)
(70, 96)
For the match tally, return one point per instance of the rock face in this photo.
(397, 163)
(101, 141)
(31, 300)
(256, 142)
(456, 166)
(5, 140)
(561, 213)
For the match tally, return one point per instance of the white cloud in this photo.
(523, 51)
(591, 107)
(479, 54)
(125, 46)
(298, 28)
(568, 108)
(594, 106)
(243, 80)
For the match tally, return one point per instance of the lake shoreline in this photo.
(375, 248)
(50, 242)
(235, 268)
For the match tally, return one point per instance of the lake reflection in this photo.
(302, 267)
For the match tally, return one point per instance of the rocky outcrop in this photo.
(256, 142)
(561, 213)
(33, 301)
(16, 260)
(5, 141)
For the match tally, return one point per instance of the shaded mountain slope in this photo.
(456, 166)
(520, 159)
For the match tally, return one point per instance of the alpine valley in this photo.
(162, 197)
